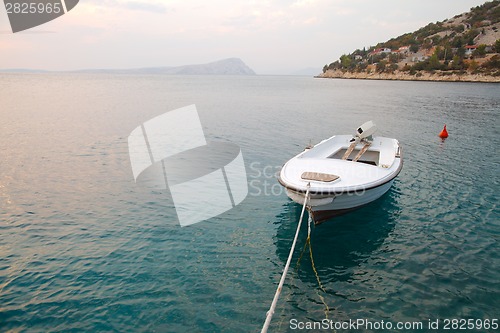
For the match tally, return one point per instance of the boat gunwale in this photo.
(348, 190)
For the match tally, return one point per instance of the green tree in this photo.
(345, 61)
(457, 63)
(434, 62)
(493, 63)
(381, 66)
(460, 52)
(392, 68)
(361, 66)
(473, 65)
(448, 53)
(470, 35)
(334, 65)
(439, 52)
(497, 45)
(480, 51)
(457, 42)
(394, 57)
(436, 39)
(419, 66)
(459, 28)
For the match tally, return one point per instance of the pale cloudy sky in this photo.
(272, 37)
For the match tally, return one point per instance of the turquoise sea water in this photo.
(84, 248)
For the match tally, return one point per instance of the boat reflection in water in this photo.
(341, 248)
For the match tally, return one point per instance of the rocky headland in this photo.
(465, 48)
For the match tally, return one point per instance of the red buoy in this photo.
(444, 133)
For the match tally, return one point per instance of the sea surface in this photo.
(84, 248)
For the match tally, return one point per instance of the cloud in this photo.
(303, 3)
(144, 5)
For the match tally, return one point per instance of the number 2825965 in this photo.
(33, 8)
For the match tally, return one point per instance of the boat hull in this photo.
(323, 207)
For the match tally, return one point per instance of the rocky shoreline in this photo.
(405, 76)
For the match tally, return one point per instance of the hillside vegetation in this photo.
(467, 44)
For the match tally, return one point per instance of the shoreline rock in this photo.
(404, 76)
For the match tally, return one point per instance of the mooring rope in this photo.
(270, 313)
(308, 245)
(327, 309)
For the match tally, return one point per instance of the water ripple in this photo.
(84, 248)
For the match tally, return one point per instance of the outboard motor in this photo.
(364, 131)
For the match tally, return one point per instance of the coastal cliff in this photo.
(405, 76)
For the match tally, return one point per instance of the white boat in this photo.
(343, 172)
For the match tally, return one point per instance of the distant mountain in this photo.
(231, 66)
(467, 44)
(22, 70)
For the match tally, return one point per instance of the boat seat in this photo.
(318, 176)
(362, 151)
(349, 150)
(387, 156)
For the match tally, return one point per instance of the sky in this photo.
(271, 37)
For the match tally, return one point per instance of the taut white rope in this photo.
(270, 313)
